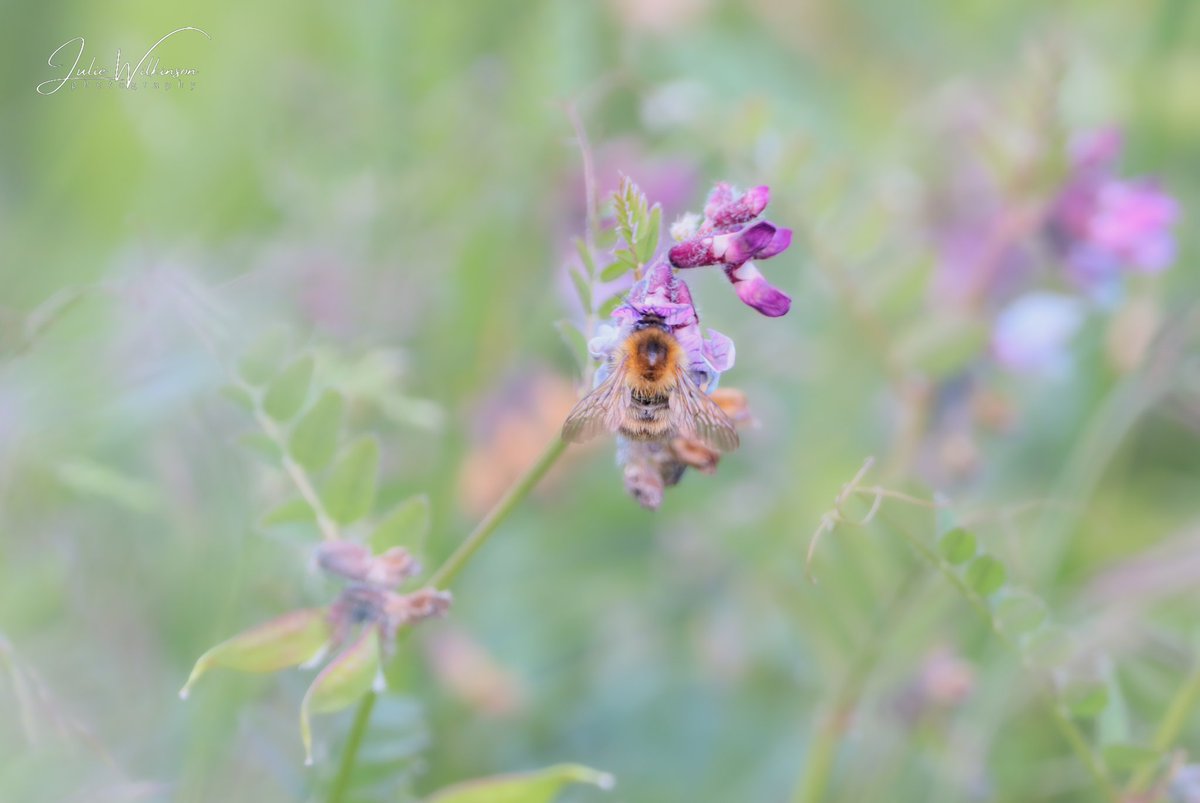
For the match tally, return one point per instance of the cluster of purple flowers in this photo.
(728, 235)
(1102, 228)
(1102, 225)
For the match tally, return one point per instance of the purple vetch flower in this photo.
(1103, 226)
(661, 292)
(1032, 334)
(728, 236)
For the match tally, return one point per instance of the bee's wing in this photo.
(695, 415)
(602, 410)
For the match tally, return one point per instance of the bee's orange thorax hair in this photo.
(653, 356)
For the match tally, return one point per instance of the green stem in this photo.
(454, 564)
(1069, 730)
(442, 578)
(814, 778)
(362, 716)
(296, 473)
(1171, 726)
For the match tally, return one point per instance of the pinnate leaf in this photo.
(289, 389)
(350, 489)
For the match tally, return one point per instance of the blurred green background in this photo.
(397, 186)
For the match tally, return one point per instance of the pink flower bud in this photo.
(741, 210)
(693, 253)
(392, 568)
(345, 559)
(720, 197)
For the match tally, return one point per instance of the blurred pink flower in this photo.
(1102, 225)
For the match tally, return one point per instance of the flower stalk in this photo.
(296, 473)
(442, 578)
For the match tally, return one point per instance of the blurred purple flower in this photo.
(1185, 784)
(728, 236)
(1031, 334)
(1102, 225)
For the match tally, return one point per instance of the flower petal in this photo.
(755, 291)
(1032, 334)
(719, 351)
(779, 243)
(746, 244)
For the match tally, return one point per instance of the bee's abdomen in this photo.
(642, 398)
(647, 417)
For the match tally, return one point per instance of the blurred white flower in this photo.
(1032, 334)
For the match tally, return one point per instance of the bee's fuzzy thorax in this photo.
(653, 355)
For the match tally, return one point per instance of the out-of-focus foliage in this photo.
(394, 190)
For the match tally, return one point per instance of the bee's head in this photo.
(648, 320)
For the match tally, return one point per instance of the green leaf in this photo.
(261, 445)
(295, 511)
(583, 289)
(1049, 647)
(350, 488)
(625, 208)
(575, 340)
(90, 478)
(1129, 757)
(287, 391)
(615, 271)
(1086, 699)
(957, 546)
(316, 435)
(239, 396)
(647, 241)
(340, 684)
(1019, 612)
(262, 360)
(1114, 726)
(284, 642)
(539, 786)
(585, 256)
(407, 526)
(986, 575)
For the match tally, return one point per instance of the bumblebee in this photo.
(649, 395)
